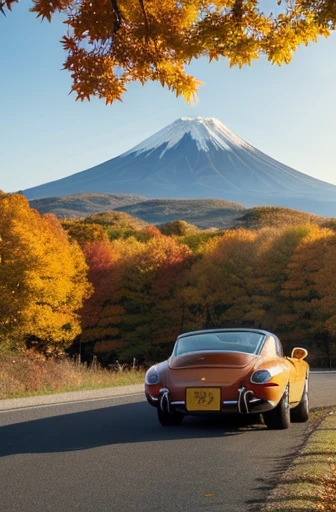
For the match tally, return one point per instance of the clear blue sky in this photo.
(288, 112)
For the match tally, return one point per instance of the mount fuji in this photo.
(196, 158)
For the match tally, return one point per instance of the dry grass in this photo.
(310, 482)
(24, 375)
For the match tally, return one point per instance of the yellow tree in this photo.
(325, 283)
(303, 288)
(274, 250)
(218, 290)
(43, 277)
(111, 43)
(83, 232)
(14, 264)
(238, 278)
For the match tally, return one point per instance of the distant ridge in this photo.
(80, 205)
(203, 213)
(198, 158)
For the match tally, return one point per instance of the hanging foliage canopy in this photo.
(110, 43)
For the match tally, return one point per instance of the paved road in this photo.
(112, 455)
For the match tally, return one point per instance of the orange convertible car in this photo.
(230, 371)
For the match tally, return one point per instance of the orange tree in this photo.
(150, 295)
(103, 313)
(137, 303)
(111, 43)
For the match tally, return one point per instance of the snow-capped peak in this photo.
(205, 131)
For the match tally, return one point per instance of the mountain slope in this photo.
(199, 158)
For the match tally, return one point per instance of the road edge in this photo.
(70, 397)
(305, 484)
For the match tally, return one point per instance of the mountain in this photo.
(199, 158)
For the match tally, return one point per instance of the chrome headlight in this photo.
(261, 376)
(152, 376)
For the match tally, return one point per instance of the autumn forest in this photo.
(82, 286)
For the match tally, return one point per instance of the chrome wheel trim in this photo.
(305, 395)
(286, 398)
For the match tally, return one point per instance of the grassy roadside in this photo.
(309, 484)
(23, 376)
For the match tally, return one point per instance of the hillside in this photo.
(203, 213)
(81, 205)
(114, 219)
(274, 216)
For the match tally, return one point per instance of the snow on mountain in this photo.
(205, 131)
(199, 158)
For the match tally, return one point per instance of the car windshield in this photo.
(230, 341)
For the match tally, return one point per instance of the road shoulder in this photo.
(309, 484)
(73, 396)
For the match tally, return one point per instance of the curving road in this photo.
(112, 455)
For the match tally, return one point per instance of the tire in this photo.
(300, 413)
(169, 419)
(279, 417)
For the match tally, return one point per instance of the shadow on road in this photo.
(128, 423)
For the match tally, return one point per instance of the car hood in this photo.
(212, 359)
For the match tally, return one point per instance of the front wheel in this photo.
(279, 417)
(300, 413)
(169, 419)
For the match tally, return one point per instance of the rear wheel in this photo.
(279, 417)
(300, 413)
(168, 419)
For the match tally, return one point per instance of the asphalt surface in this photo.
(112, 455)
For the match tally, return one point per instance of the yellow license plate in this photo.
(203, 399)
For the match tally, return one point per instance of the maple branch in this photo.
(142, 5)
(2, 5)
(237, 9)
(117, 16)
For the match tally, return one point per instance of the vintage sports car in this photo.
(230, 371)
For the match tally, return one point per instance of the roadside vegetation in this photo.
(30, 374)
(310, 482)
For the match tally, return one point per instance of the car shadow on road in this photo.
(128, 423)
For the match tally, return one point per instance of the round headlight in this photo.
(261, 376)
(152, 376)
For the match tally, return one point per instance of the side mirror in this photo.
(299, 353)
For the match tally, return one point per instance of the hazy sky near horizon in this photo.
(287, 112)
